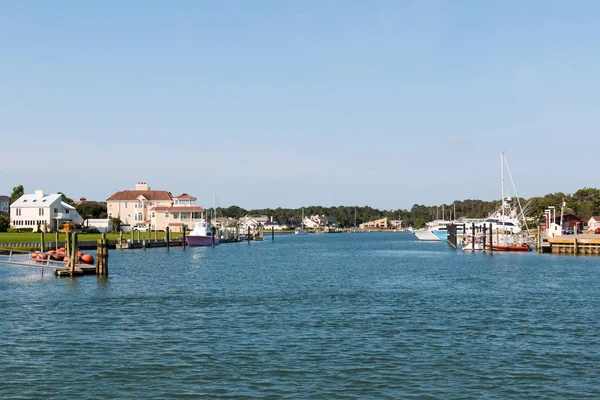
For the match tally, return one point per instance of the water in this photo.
(319, 316)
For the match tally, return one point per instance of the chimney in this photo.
(142, 186)
(39, 193)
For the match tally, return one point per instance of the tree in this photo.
(66, 199)
(17, 192)
(91, 209)
(4, 222)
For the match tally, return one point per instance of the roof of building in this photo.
(3, 198)
(132, 195)
(596, 217)
(36, 200)
(185, 196)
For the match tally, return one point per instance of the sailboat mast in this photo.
(502, 176)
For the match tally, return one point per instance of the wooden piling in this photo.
(491, 240)
(167, 237)
(42, 242)
(473, 238)
(183, 233)
(102, 256)
(484, 236)
(144, 244)
(73, 254)
(56, 240)
(272, 234)
(248, 235)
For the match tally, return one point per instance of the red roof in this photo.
(185, 196)
(131, 195)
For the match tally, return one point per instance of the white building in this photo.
(594, 223)
(45, 210)
(104, 225)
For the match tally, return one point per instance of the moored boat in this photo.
(201, 235)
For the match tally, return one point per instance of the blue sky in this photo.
(288, 103)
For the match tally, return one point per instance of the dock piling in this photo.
(167, 237)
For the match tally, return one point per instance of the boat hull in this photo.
(427, 235)
(509, 248)
(200, 240)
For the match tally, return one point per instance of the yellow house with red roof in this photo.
(154, 208)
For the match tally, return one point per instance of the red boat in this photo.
(522, 247)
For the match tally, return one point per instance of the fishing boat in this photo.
(201, 234)
(504, 222)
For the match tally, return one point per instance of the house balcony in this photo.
(62, 216)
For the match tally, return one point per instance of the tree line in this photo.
(584, 203)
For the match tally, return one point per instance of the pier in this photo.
(25, 259)
(578, 244)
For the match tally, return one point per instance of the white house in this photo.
(252, 222)
(45, 210)
(594, 223)
(104, 225)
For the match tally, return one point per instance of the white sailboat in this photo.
(301, 231)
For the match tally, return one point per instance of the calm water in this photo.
(319, 316)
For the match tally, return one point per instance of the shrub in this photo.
(20, 230)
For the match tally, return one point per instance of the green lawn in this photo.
(50, 237)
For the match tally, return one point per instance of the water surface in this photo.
(375, 315)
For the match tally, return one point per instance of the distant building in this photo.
(594, 223)
(382, 223)
(4, 204)
(45, 210)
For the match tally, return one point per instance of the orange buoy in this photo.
(34, 255)
(87, 259)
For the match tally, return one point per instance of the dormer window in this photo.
(34, 200)
(25, 201)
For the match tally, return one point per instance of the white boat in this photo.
(437, 230)
(301, 231)
(506, 233)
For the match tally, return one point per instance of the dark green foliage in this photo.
(66, 199)
(17, 192)
(4, 222)
(584, 203)
(91, 209)
(19, 230)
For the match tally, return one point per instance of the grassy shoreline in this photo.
(51, 237)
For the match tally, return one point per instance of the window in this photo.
(41, 211)
(153, 214)
(66, 210)
(167, 214)
(56, 211)
(175, 215)
(184, 216)
(18, 211)
(139, 217)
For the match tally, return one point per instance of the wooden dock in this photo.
(25, 259)
(578, 244)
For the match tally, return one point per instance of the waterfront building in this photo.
(47, 211)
